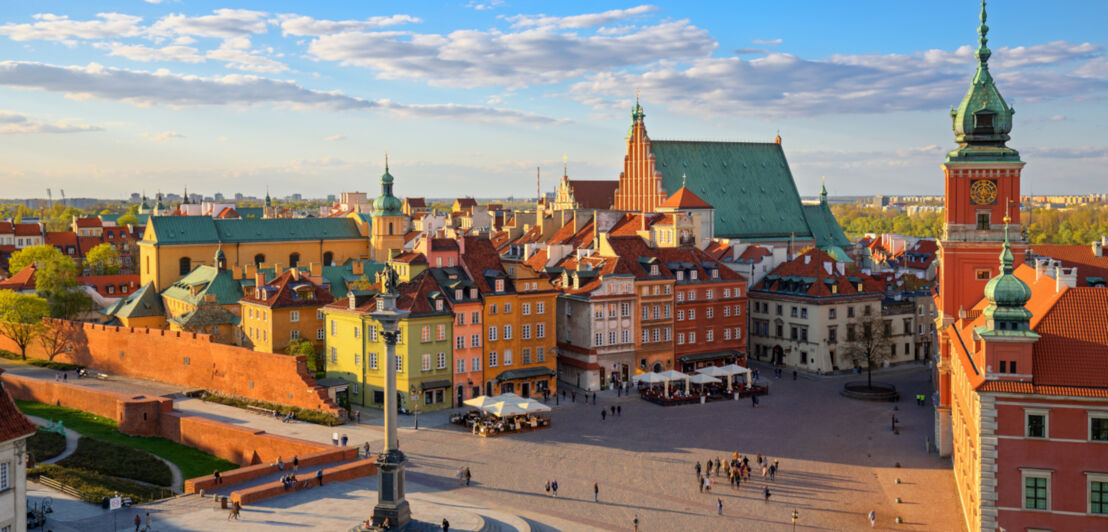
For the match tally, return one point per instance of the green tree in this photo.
(127, 219)
(304, 347)
(102, 259)
(55, 279)
(55, 338)
(21, 318)
(40, 254)
(868, 339)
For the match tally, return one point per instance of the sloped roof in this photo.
(203, 229)
(416, 203)
(685, 199)
(23, 280)
(340, 277)
(480, 259)
(807, 275)
(13, 424)
(466, 203)
(750, 181)
(824, 227)
(222, 284)
(65, 239)
(89, 222)
(100, 283)
(228, 212)
(1081, 256)
(141, 303)
(594, 194)
(27, 230)
(283, 291)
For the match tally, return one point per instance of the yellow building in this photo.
(142, 308)
(173, 246)
(205, 301)
(284, 310)
(389, 224)
(355, 351)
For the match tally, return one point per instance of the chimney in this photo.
(251, 270)
(642, 222)
(595, 230)
(315, 269)
(1098, 248)
(351, 301)
(295, 273)
(1064, 277)
(259, 280)
(358, 267)
(1040, 268)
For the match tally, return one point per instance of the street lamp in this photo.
(415, 405)
(796, 517)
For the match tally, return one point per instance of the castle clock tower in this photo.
(388, 217)
(982, 187)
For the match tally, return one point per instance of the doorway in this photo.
(525, 389)
(461, 395)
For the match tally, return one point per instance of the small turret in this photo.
(1007, 294)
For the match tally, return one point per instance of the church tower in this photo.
(982, 185)
(388, 221)
(640, 183)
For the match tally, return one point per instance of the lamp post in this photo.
(390, 463)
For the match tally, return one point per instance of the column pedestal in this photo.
(390, 491)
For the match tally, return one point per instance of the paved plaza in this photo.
(838, 460)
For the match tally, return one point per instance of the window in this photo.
(832, 335)
(526, 309)
(357, 359)
(599, 339)
(645, 313)
(680, 338)
(611, 337)
(493, 362)
(507, 332)
(691, 295)
(645, 336)
(184, 266)
(526, 356)
(982, 274)
(708, 294)
(425, 333)
(475, 340)
(692, 314)
(334, 356)
(692, 338)
(727, 334)
(667, 334)
(5, 480)
(459, 342)
(709, 312)
(657, 312)
(680, 297)
(507, 357)
(500, 285)
(668, 289)
(440, 362)
(426, 359)
(625, 309)
(294, 259)
(680, 315)
(831, 314)
(726, 311)
(475, 318)
(656, 335)
(372, 333)
(1098, 426)
(1036, 490)
(983, 221)
(850, 312)
(507, 308)
(540, 330)
(726, 292)
(440, 332)
(399, 363)
(540, 355)
(492, 334)
(460, 365)
(294, 334)
(1098, 494)
(319, 315)
(540, 308)
(865, 310)
(492, 309)
(803, 312)
(668, 310)
(320, 334)
(1036, 422)
(294, 315)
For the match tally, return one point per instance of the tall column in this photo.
(390, 463)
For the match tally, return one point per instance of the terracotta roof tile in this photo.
(808, 272)
(685, 199)
(23, 280)
(1088, 265)
(13, 424)
(282, 292)
(27, 230)
(89, 222)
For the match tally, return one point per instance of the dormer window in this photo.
(438, 305)
(715, 274)
(692, 275)
(458, 294)
(473, 293)
(680, 275)
(500, 285)
(983, 122)
(654, 270)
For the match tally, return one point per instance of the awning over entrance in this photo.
(525, 373)
(333, 383)
(714, 355)
(435, 384)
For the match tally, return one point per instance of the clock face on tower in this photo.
(983, 191)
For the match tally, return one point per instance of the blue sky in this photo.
(468, 97)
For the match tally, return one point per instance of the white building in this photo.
(15, 428)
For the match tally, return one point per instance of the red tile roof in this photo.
(86, 243)
(755, 254)
(7, 227)
(1073, 348)
(65, 240)
(228, 212)
(283, 291)
(100, 283)
(411, 235)
(13, 424)
(89, 222)
(479, 256)
(812, 275)
(28, 230)
(1088, 265)
(444, 244)
(416, 203)
(595, 194)
(410, 257)
(685, 199)
(24, 280)
(466, 203)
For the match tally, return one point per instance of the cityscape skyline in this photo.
(163, 95)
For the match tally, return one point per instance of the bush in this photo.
(118, 461)
(95, 486)
(45, 445)
(49, 364)
(311, 416)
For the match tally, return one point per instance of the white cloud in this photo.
(334, 138)
(223, 24)
(165, 88)
(60, 28)
(301, 25)
(783, 84)
(237, 53)
(163, 136)
(482, 6)
(15, 123)
(153, 1)
(469, 58)
(138, 52)
(767, 42)
(587, 20)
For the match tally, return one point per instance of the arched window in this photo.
(259, 259)
(390, 228)
(328, 258)
(184, 266)
(294, 258)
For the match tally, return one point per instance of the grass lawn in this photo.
(96, 486)
(45, 445)
(192, 462)
(118, 461)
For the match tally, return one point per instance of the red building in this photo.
(1023, 387)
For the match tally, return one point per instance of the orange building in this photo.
(286, 309)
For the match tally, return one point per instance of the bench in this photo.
(101, 376)
(260, 410)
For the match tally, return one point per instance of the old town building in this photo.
(15, 428)
(284, 310)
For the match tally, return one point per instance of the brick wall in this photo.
(137, 415)
(243, 474)
(193, 360)
(340, 473)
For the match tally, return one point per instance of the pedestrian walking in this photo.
(335, 438)
(148, 520)
(794, 374)
(872, 518)
(776, 464)
(767, 493)
(469, 475)
(295, 465)
(357, 416)
(772, 472)
(595, 492)
(754, 400)
(635, 522)
(366, 446)
(603, 414)
(765, 471)
(65, 376)
(319, 476)
(700, 483)
(717, 466)
(218, 477)
(719, 505)
(547, 488)
(698, 470)
(445, 525)
(138, 522)
(708, 484)
(613, 409)
(554, 487)
(759, 458)
(594, 398)
(573, 395)
(344, 440)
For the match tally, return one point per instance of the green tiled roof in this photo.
(221, 284)
(206, 230)
(748, 183)
(142, 303)
(251, 212)
(142, 218)
(338, 276)
(824, 227)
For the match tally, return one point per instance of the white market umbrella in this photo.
(480, 401)
(714, 371)
(735, 369)
(532, 406)
(672, 375)
(701, 378)
(504, 409)
(649, 378)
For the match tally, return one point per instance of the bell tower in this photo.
(982, 176)
(388, 223)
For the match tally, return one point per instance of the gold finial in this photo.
(386, 160)
(636, 95)
(1007, 204)
(565, 165)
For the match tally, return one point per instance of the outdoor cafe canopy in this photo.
(650, 378)
(506, 405)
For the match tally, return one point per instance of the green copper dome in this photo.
(1007, 294)
(983, 120)
(386, 204)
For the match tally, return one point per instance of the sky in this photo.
(471, 97)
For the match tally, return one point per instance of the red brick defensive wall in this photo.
(190, 359)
